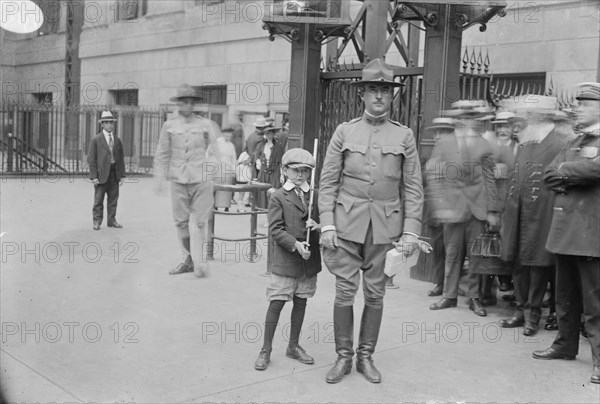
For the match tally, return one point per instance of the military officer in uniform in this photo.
(574, 175)
(186, 144)
(370, 197)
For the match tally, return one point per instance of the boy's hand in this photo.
(311, 224)
(302, 248)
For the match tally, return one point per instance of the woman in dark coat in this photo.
(527, 218)
(267, 158)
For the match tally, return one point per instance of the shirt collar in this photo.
(188, 119)
(375, 120)
(289, 185)
(106, 134)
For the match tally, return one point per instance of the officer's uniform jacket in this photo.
(181, 154)
(371, 173)
(575, 177)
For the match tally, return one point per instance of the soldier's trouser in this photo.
(530, 287)
(458, 239)
(350, 259)
(196, 199)
(577, 286)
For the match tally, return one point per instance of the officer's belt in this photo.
(382, 189)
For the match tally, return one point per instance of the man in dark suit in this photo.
(107, 170)
(574, 176)
(460, 174)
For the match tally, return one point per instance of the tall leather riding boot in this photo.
(369, 332)
(343, 326)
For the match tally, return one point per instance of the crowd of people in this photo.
(522, 201)
(511, 192)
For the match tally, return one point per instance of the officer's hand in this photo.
(408, 244)
(95, 181)
(159, 188)
(311, 224)
(122, 181)
(493, 222)
(329, 239)
(302, 248)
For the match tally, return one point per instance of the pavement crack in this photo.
(43, 376)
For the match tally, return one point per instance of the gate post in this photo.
(442, 71)
(304, 89)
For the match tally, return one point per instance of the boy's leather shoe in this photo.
(299, 354)
(262, 362)
(96, 225)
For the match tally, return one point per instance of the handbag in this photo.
(485, 255)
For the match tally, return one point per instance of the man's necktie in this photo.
(111, 144)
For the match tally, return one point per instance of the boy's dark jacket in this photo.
(287, 223)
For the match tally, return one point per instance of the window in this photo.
(214, 95)
(128, 10)
(51, 10)
(125, 97)
(43, 98)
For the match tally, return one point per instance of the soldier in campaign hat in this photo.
(574, 234)
(181, 158)
(376, 160)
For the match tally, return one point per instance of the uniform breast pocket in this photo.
(391, 160)
(354, 151)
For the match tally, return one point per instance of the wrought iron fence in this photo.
(38, 138)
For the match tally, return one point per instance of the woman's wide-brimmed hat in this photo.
(377, 72)
(186, 91)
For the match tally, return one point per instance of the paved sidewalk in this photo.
(93, 316)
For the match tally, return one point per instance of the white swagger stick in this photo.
(312, 189)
